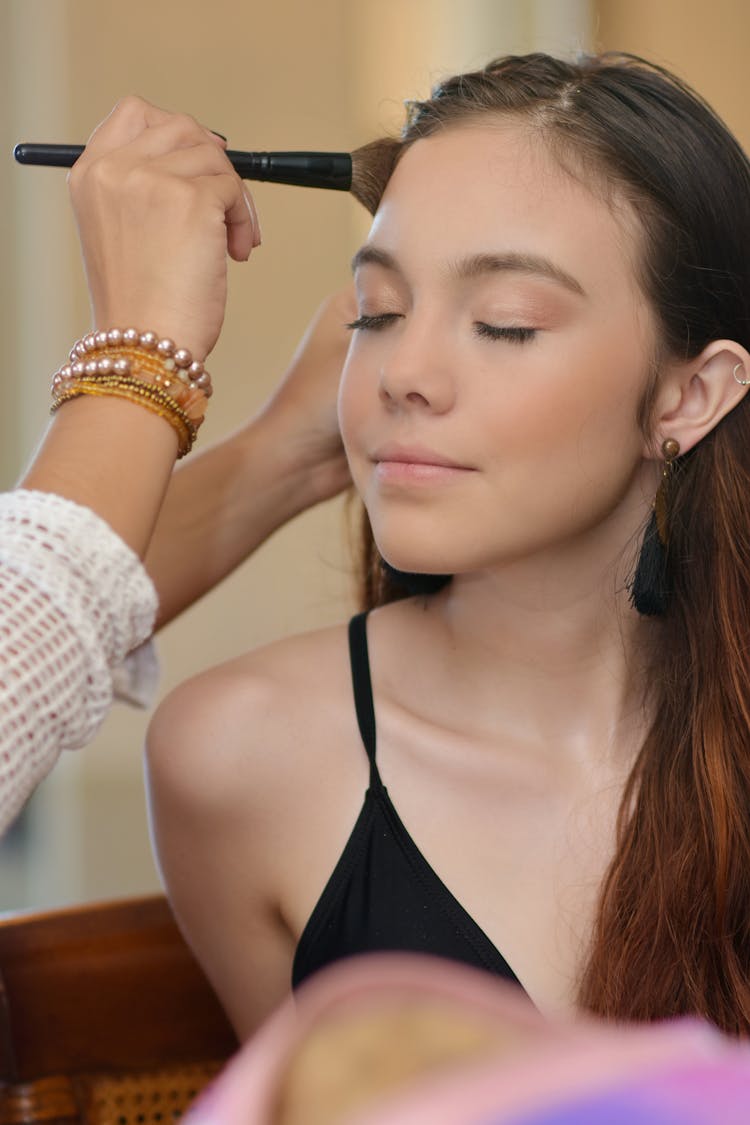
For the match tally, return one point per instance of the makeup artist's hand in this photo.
(303, 408)
(158, 207)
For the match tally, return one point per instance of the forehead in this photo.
(479, 187)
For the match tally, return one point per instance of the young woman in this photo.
(545, 387)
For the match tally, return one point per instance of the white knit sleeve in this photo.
(75, 601)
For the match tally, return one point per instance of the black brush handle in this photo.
(51, 156)
(331, 170)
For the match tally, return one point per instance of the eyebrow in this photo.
(478, 265)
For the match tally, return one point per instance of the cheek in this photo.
(564, 446)
(357, 399)
(587, 385)
(581, 420)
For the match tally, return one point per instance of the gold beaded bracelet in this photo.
(188, 395)
(140, 367)
(143, 395)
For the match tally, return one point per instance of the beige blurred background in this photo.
(292, 74)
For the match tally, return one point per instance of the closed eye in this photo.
(373, 322)
(514, 334)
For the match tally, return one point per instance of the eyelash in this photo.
(515, 335)
(372, 322)
(512, 334)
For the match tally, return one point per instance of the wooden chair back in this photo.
(105, 1017)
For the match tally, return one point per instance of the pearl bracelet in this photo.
(125, 348)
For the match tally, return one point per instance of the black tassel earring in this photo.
(651, 586)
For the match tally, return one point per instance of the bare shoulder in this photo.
(255, 717)
(249, 766)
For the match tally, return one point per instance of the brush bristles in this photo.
(372, 165)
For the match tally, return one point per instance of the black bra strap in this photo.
(362, 685)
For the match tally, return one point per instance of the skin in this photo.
(510, 706)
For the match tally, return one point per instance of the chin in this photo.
(414, 558)
(423, 550)
(427, 543)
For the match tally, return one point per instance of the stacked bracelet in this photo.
(135, 390)
(140, 367)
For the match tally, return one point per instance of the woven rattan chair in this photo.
(105, 1017)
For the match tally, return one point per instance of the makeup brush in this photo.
(363, 172)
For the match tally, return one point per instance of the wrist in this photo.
(273, 462)
(142, 367)
(302, 467)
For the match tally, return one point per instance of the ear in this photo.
(694, 396)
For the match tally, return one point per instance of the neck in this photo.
(551, 652)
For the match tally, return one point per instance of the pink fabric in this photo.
(545, 1067)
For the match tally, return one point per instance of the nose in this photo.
(416, 373)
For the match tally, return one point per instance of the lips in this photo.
(416, 455)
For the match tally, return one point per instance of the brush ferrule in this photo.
(331, 170)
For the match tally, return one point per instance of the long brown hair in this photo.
(672, 933)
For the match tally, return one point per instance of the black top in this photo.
(383, 894)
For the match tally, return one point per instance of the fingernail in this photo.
(257, 235)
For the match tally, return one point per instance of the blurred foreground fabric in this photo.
(407, 1040)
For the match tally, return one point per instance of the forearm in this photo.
(111, 456)
(225, 501)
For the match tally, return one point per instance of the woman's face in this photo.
(489, 400)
